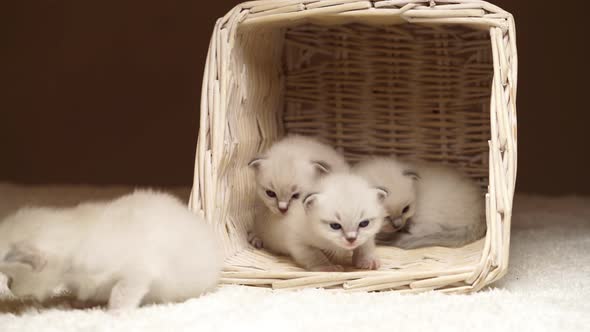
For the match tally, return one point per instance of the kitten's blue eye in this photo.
(406, 209)
(271, 193)
(364, 223)
(335, 225)
(295, 196)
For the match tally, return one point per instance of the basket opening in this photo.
(409, 90)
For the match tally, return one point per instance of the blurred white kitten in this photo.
(145, 247)
(341, 218)
(428, 205)
(284, 175)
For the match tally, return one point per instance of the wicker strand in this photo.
(433, 80)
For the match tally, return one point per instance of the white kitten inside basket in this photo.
(422, 204)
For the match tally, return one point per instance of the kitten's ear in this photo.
(310, 200)
(382, 193)
(255, 163)
(413, 174)
(321, 167)
(25, 254)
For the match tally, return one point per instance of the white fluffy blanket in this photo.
(546, 289)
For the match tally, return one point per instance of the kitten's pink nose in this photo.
(283, 207)
(350, 237)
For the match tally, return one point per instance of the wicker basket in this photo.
(431, 79)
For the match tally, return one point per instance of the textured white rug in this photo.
(546, 289)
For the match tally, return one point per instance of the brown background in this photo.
(107, 92)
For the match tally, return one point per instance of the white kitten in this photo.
(429, 205)
(341, 218)
(145, 247)
(284, 175)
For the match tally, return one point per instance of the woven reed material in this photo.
(434, 80)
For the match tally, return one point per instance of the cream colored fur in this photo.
(445, 208)
(288, 170)
(144, 247)
(343, 199)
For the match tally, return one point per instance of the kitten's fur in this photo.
(287, 171)
(145, 247)
(444, 208)
(343, 199)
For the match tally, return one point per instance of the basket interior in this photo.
(411, 90)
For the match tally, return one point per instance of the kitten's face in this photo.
(30, 284)
(347, 211)
(400, 205)
(29, 274)
(280, 184)
(400, 181)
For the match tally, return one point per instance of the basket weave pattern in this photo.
(434, 80)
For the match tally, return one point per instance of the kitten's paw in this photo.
(328, 268)
(5, 292)
(118, 308)
(255, 240)
(127, 294)
(117, 313)
(367, 263)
